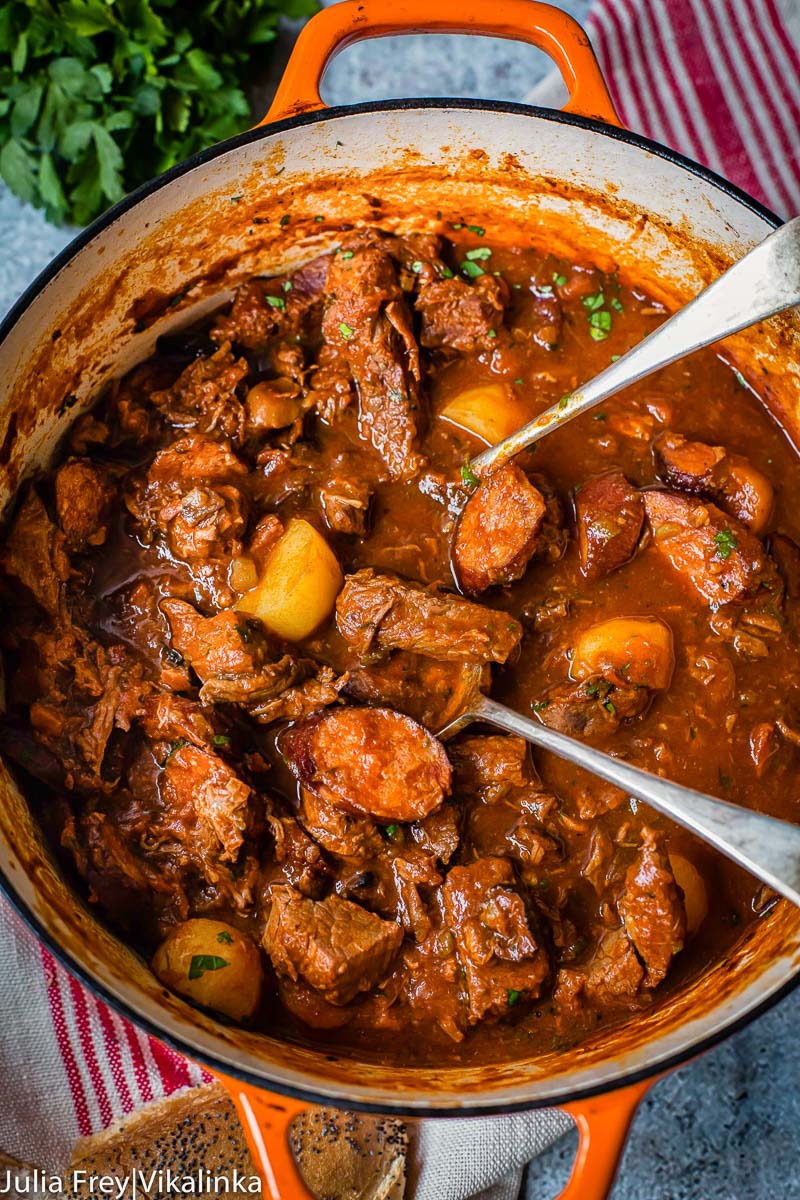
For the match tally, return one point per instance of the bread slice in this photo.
(196, 1133)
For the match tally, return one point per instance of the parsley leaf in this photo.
(224, 936)
(99, 96)
(725, 542)
(206, 962)
(346, 331)
(471, 269)
(513, 997)
(481, 253)
(276, 302)
(468, 476)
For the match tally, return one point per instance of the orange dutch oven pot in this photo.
(266, 201)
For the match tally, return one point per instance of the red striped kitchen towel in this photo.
(718, 80)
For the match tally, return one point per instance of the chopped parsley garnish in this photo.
(347, 253)
(478, 230)
(544, 289)
(457, 225)
(615, 357)
(600, 325)
(513, 997)
(616, 304)
(346, 331)
(563, 402)
(471, 269)
(319, 218)
(447, 273)
(519, 381)
(417, 266)
(287, 285)
(284, 220)
(234, 199)
(206, 962)
(540, 705)
(595, 302)
(276, 302)
(491, 333)
(468, 476)
(559, 280)
(725, 541)
(221, 739)
(224, 937)
(174, 748)
(392, 830)
(609, 707)
(480, 253)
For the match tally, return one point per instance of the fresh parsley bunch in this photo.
(97, 96)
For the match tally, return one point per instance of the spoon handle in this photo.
(766, 281)
(765, 846)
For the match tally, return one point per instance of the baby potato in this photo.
(213, 965)
(490, 411)
(299, 583)
(626, 650)
(695, 893)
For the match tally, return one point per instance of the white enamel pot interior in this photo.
(176, 248)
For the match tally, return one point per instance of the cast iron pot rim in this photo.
(71, 251)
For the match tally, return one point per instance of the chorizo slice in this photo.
(498, 530)
(369, 760)
(609, 514)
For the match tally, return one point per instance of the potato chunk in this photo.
(298, 586)
(212, 964)
(628, 651)
(490, 411)
(693, 887)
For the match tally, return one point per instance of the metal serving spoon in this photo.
(765, 846)
(766, 281)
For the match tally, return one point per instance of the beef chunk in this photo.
(506, 799)
(718, 556)
(429, 690)
(192, 496)
(345, 496)
(334, 945)
(203, 398)
(457, 315)
(83, 503)
(380, 612)
(609, 514)
(81, 692)
(35, 554)
(266, 308)
(231, 654)
(301, 699)
(612, 981)
(591, 708)
(341, 833)
(169, 718)
(205, 804)
(711, 471)
(786, 553)
(368, 324)
(498, 530)
(439, 834)
(369, 760)
(501, 957)
(652, 909)
(119, 878)
(298, 857)
(491, 766)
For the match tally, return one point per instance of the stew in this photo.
(264, 575)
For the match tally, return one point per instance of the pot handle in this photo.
(541, 25)
(603, 1123)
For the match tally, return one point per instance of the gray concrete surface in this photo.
(726, 1127)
